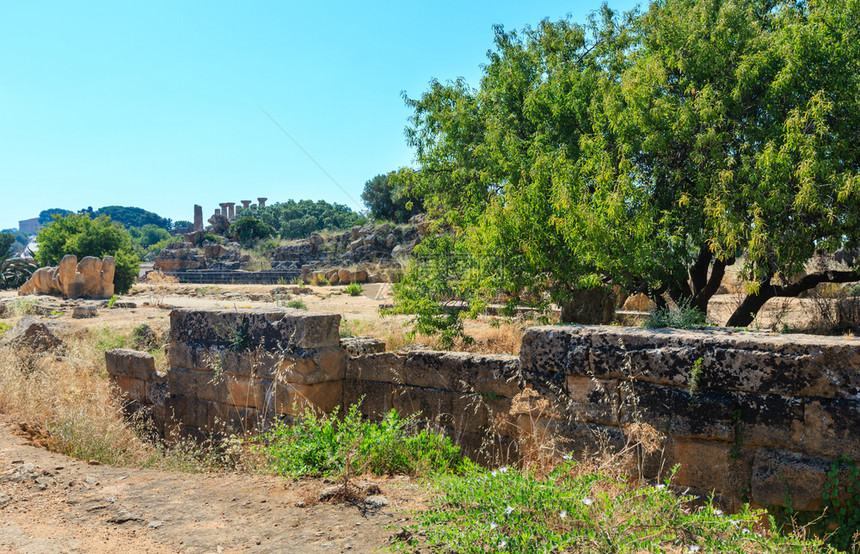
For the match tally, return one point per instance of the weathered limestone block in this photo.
(383, 367)
(252, 328)
(791, 365)
(459, 371)
(358, 346)
(122, 362)
(32, 336)
(92, 278)
(778, 475)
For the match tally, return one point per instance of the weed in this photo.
(695, 377)
(22, 307)
(354, 289)
(329, 445)
(319, 280)
(681, 316)
(295, 304)
(4, 327)
(159, 286)
(112, 301)
(517, 511)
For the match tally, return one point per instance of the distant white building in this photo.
(29, 226)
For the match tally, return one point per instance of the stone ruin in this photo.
(747, 416)
(89, 278)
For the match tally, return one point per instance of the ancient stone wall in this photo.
(749, 416)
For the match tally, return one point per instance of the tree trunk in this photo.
(749, 308)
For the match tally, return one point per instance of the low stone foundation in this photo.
(749, 416)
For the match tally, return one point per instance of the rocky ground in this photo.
(51, 503)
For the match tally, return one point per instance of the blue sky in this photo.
(158, 104)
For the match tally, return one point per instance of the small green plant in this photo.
(509, 510)
(696, 375)
(297, 281)
(295, 304)
(329, 445)
(4, 327)
(22, 307)
(354, 289)
(282, 281)
(112, 302)
(320, 280)
(682, 316)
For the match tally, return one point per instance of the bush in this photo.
(327, 445)
(507, 510)
(683, 316)
(248, 230)
(82, 236)
(354, 289)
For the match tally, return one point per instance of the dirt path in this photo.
(51, 503)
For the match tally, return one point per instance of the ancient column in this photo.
(217, 211)
(261, 202)
(230, 213)
(223, 208)
(246, 204)
(198, 218)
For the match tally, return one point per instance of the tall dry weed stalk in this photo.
(158, 285)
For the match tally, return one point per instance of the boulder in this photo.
(32, 335)
(316, 240)
(82, 312)
(219, 224)
(344, 276)
(91, 278)
(639, 303)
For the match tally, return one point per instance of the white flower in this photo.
(718, 512)
(694, 548)
(503, 544)
(508, 510)
(562, 514)
(660, 487)
(568, 457)
(494, 473)
(493, 525)
(745, 531)
(587, 501)
(503, 469)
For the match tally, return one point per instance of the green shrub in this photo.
(354, 289)
(249, 230)
(327, 445)
(683, 316)
(4, 327)
(82, 236)
(296, 304)
(507, 510)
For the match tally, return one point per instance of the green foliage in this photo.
(148, 235)
(316, 445)
(6, 241)
(14, 272)
(182, 223)
(354, 289)
(681, 316)
(391, 199)
(130, 216)
(4, 327)
(839, 520)
(296, 304)
(506, 510)
(649, 149)
(248, 230)
(46, 216)
(294, 220)
(82, 236)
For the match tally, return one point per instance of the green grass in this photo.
(325, 445)
(507, 510)
(296, 304)
(4, 327)
(354, 289)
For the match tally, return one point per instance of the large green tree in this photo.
(648, 150)
(81, 235)
(391, 199)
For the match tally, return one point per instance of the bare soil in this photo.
(51, 503)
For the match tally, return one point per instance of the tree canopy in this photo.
(82, 236)
(131, 216)
(295, 219)
(45, 216)
(391, 199)
(648, 150)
